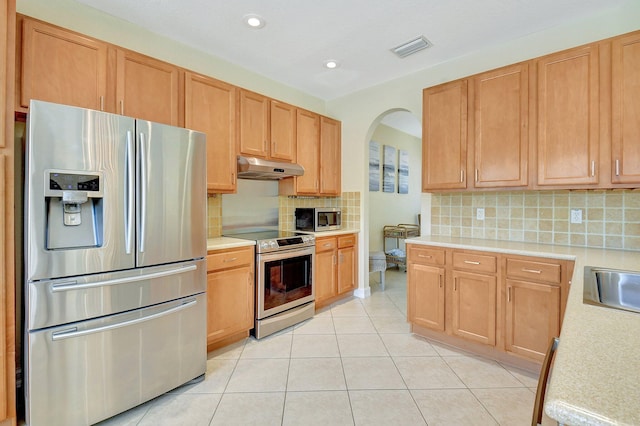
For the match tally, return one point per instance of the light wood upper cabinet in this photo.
(253, 128)
(61, 66)
(266, 127)
(283, 131)
(147, 88)
(625, 109)
(568, 128)
(308, 152)
(210, 107)
(498, 127)
(330, 156)
(444, 136)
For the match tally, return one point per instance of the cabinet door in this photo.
(346, 269)
(499, 134)
(330, 156)
(62, 67)
(625, 109)
(230, 295)
(426, 296)
(283, 131)
(444, 136)
(532, 317)
(146, 88)
(325, 275)
(210, 107)
(568, 117)
(474, 307)
(253, 129)
(308, 140)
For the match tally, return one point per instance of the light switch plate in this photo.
(480, 213)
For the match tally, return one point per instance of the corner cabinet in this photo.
(210, 107)
(336, 268)
(444, 136)
(498, 305)
(230, 295)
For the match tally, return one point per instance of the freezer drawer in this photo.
(82, 373)
(61, 301)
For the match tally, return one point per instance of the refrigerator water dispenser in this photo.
(74, 209)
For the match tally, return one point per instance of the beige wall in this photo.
(387, 208)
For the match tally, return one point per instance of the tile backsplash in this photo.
(610, 219)
(349, 202)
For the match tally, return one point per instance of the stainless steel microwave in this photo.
(318, 219)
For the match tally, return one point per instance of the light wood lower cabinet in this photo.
(230, 295)
(496, 304)
(335, 268)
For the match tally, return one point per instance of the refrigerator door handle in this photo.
(143, 191)
(73, 331)
(73, 285)
(129, 193)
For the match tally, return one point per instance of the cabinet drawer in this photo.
(324, 244)
(532, 270)
(224, 259)
(346, 241)
(475, 262)
(427, 255)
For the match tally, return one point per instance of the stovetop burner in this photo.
(273, 240)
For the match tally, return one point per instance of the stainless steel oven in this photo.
(285, 291)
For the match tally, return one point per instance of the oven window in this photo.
(286, 280)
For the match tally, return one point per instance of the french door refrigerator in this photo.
(115, 273)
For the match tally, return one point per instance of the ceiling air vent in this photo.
(411, 47)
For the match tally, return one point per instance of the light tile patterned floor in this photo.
(354, 363)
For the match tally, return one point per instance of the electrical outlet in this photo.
(576, 215)
(480, 214)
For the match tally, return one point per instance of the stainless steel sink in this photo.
(612, 288)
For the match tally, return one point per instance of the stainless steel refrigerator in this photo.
(115, 273)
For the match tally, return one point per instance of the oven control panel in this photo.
(276, 244)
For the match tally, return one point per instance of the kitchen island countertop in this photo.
(596, 371)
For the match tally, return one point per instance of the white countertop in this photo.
(332, 233)
(596, 373)
(220, 243)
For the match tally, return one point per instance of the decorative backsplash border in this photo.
(610, 219)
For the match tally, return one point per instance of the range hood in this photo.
(261, 169)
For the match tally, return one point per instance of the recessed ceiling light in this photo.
(253, 20)
(331, 64)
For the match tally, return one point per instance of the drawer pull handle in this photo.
(471, 262)
(426, 256)
(533, 271)
(233, 259)
(326, 245)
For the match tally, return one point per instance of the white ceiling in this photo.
(301, 34)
